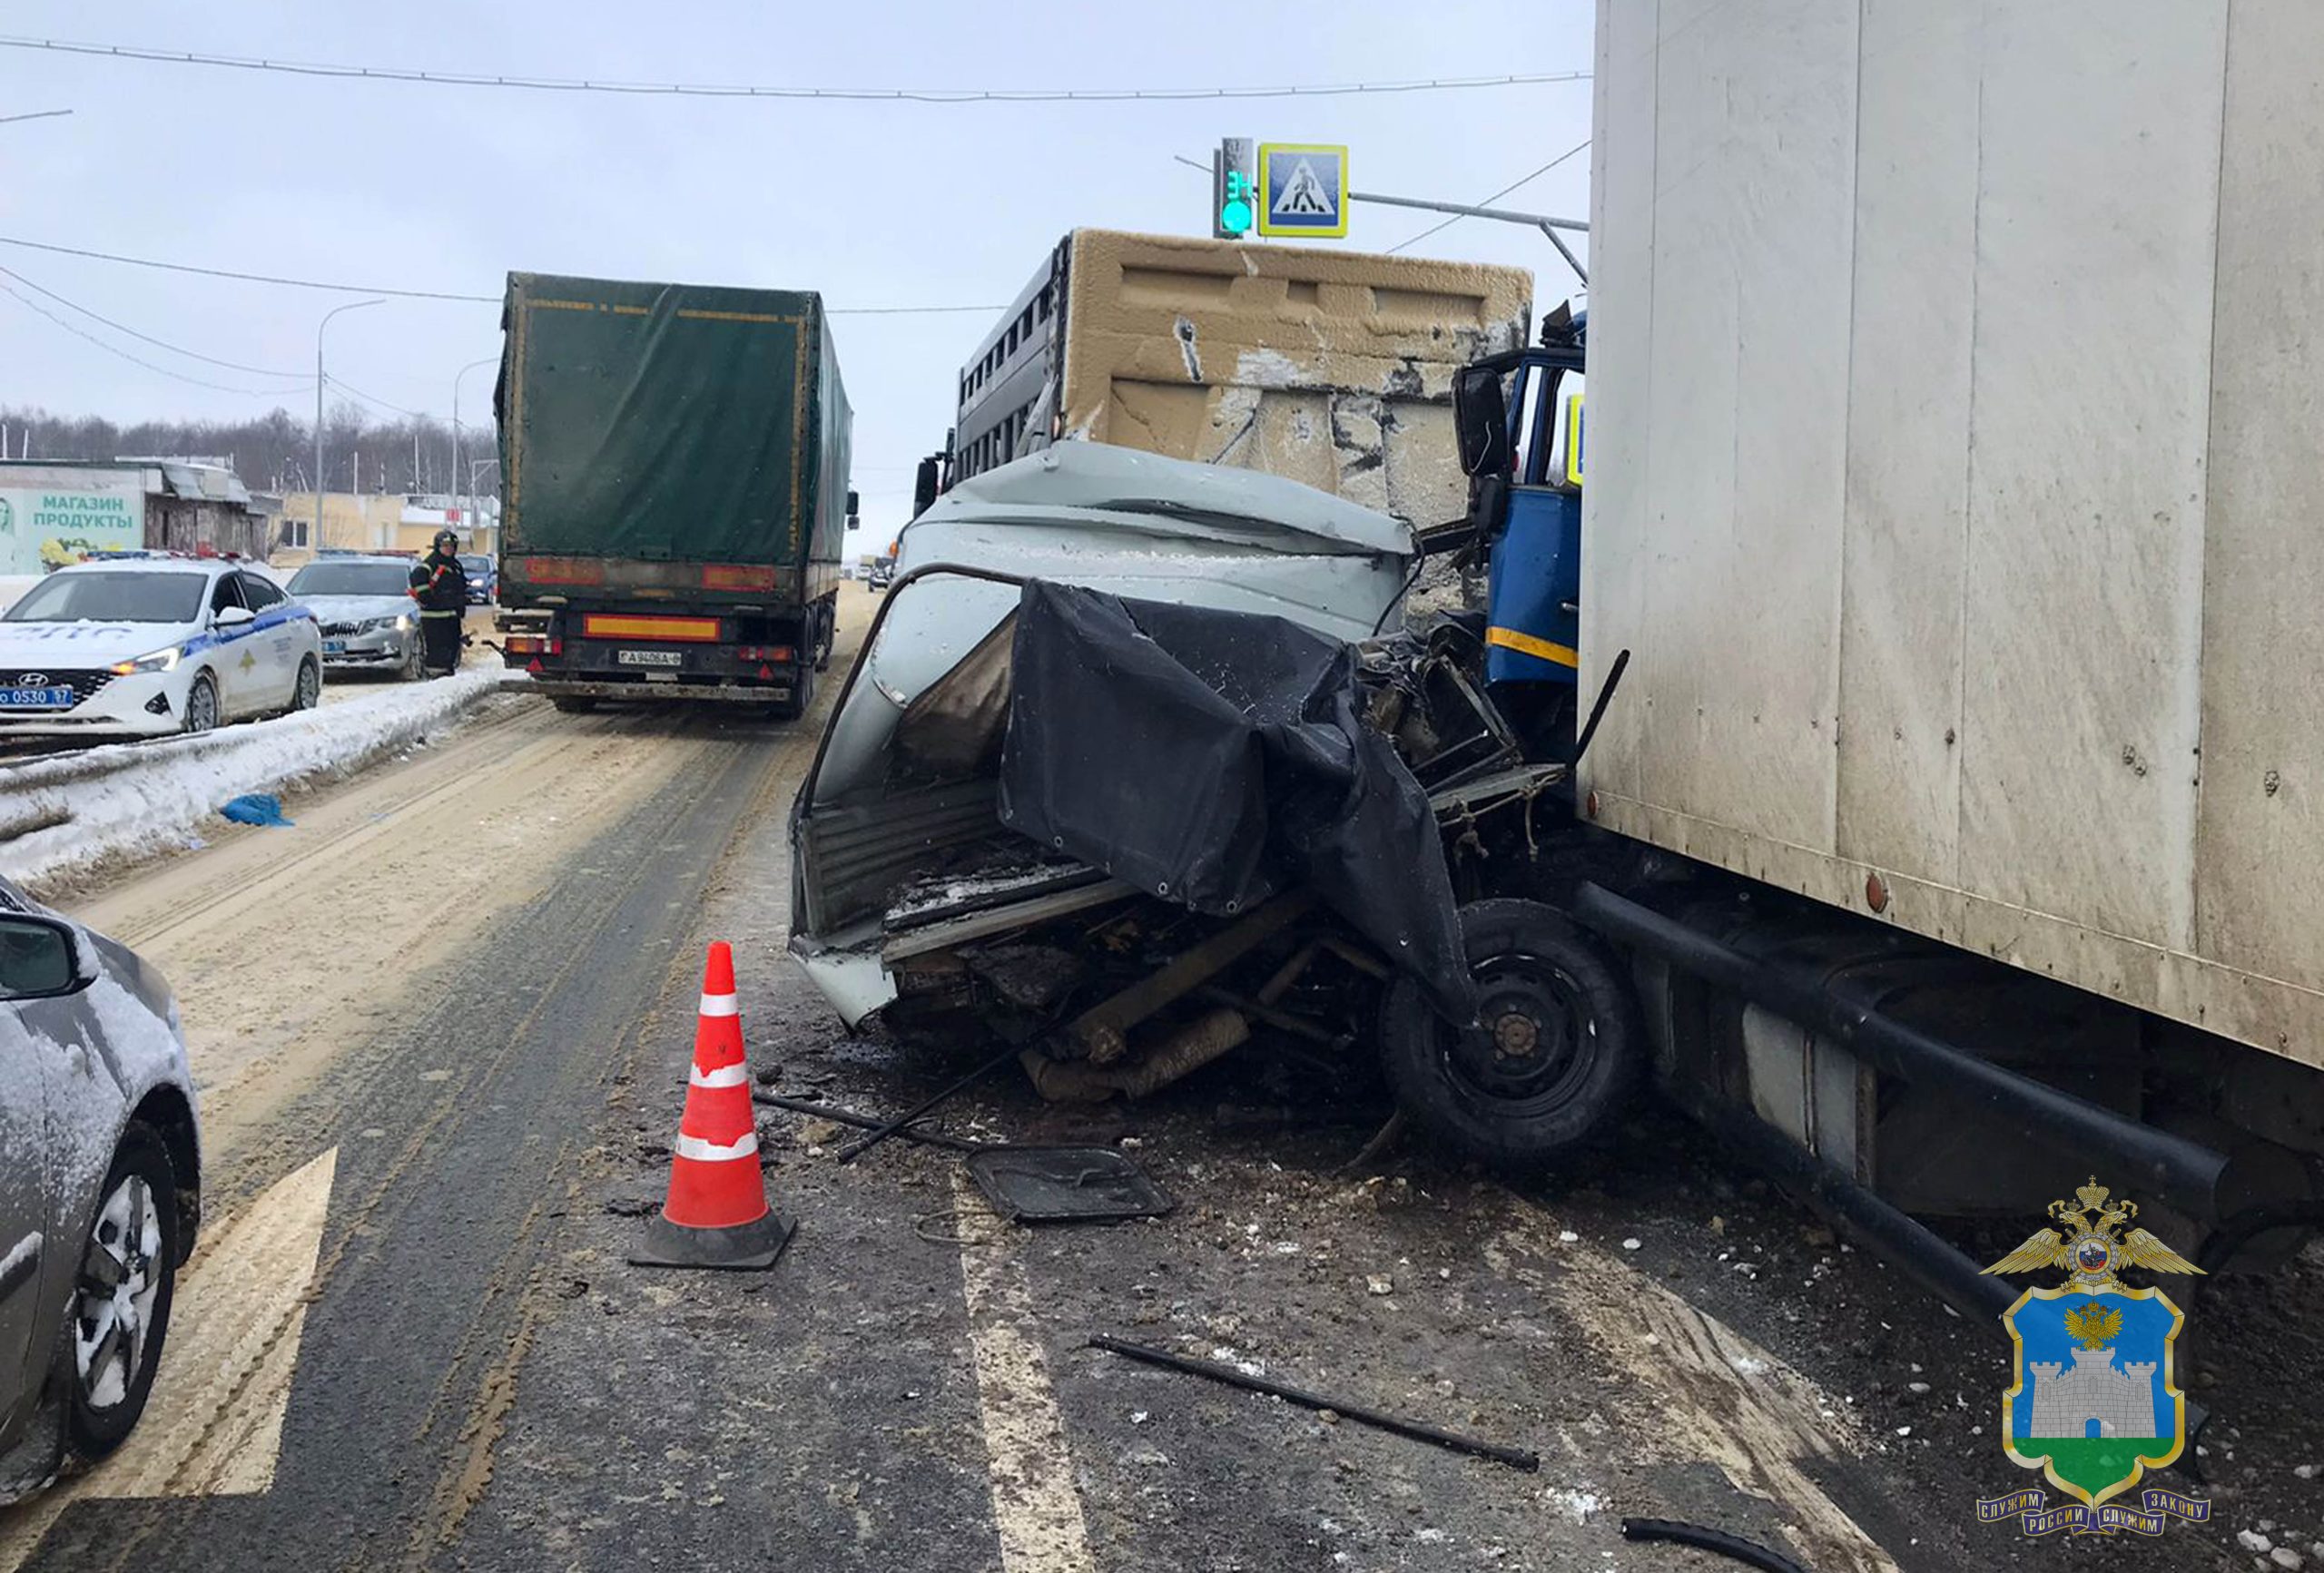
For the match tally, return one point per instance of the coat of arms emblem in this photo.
(2094, 1406)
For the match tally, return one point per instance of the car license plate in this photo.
(36, 698)
(648, 657)
(334, 646)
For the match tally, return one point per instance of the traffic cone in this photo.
(716, 1214)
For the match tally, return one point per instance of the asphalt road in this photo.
(442, 1030)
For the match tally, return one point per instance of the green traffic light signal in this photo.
(1234, 214)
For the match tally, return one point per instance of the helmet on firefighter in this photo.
(446, 540)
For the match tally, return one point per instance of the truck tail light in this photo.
(737, 577)
(563, 570)
(525, 644)
(778, 654)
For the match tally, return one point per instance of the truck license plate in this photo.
(647, 657)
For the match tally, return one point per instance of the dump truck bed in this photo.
(1332, 368)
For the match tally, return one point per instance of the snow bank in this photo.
(68, 813)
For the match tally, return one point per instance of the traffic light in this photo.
(1234, 194)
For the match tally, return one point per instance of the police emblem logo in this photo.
(2093, 1404)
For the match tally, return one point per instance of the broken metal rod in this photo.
(841, 1116)
(1517, 1458)
(854, 1150)
(1716, 1541)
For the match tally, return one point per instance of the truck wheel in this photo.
(573, 704)
(1555, 1054)
(826, 635)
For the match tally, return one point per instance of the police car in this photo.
(149, 645)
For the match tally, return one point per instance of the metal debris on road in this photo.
(863, 1122)
(1516, 1458)
(1065, 1184)
(1716, 1541)
(849, 1154)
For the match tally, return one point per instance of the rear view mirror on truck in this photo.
(1480, 415)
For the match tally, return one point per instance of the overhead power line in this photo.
(399, 294)
(146, 337)
(1522, 181)
(35, 115)
(373, 399)
(32, 305)
(713, 90)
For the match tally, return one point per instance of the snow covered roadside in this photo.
(66, 814)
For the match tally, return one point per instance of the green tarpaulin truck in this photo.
(675, 468)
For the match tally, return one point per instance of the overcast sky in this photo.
(873, 204)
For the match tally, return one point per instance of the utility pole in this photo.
(317, 544)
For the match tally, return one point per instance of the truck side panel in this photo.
(1900, 672)
(830, 463)
(2260, 828)
(2060, 551)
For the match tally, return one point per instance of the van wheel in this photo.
(1555, 1053)
(120, 1310)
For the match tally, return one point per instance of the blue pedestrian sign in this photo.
(1303, 189)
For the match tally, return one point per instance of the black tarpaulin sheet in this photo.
(1215, 758)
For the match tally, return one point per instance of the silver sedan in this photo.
(100, 1188)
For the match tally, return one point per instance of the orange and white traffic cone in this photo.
(716, 1214)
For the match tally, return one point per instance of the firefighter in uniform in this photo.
(440, 585)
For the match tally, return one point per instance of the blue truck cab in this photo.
(1521, 432)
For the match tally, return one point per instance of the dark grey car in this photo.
(100, 1188)
(365, 608)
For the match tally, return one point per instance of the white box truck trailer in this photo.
(1955, 467)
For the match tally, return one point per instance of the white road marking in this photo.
(213, 1426)
(1718, 1396)
(1036, 1506)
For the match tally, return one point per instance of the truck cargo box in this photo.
(650, 431)
(1327, 367)
(1955, 450)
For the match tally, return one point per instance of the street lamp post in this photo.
(460, 498)
(477, 467)
(316, 544)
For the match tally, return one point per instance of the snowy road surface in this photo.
(442, 1031)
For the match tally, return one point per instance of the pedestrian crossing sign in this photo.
(1303, 189)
